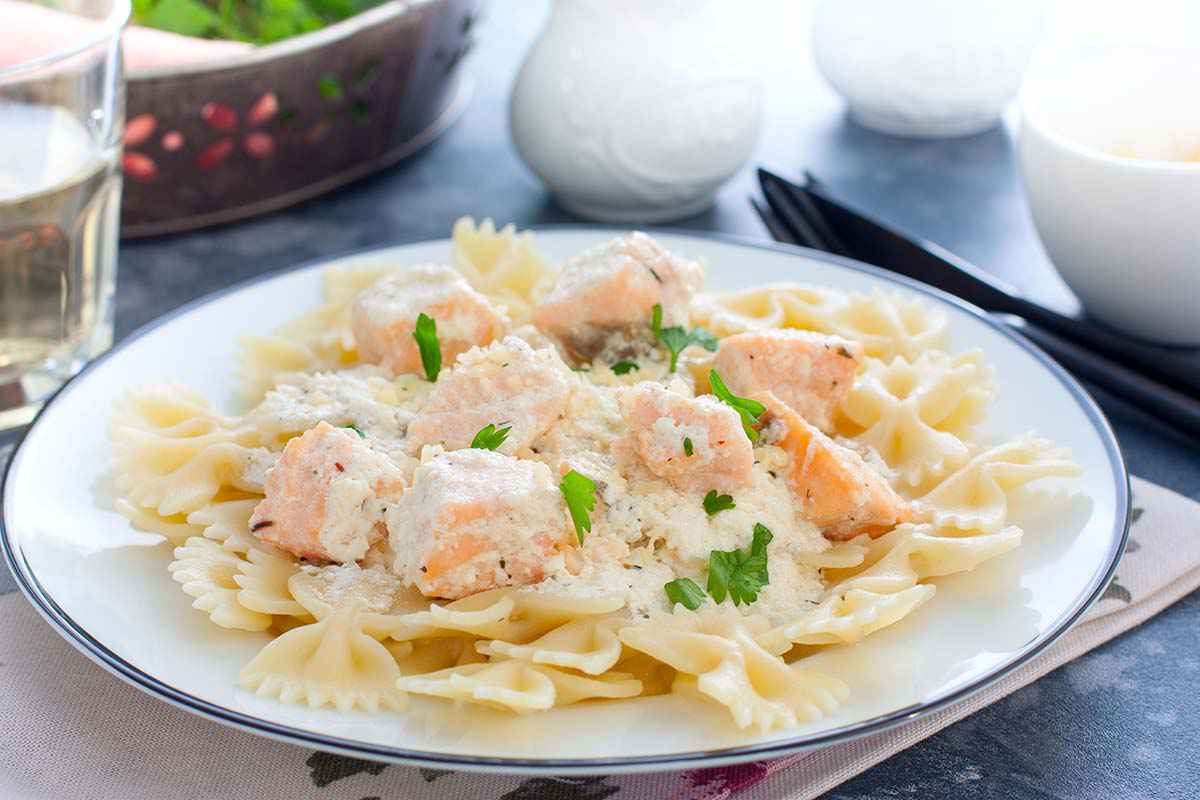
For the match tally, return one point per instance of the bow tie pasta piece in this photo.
(508, 615)
(887, 586)
(890, 324)
(915, 414)
(840, 555)
(175, 529)
(518, 686)
(847, 617)
(503, 264)
(227, 522)
(263, 578)
(588, 645)
(655, 676)
(770, 307)
(317, 340)
(169, 409)
(915, 552)
(173, 454)
(330, 662)
(378, 597)
(570, 688)
(207, 572)
(718, 658)
(422, 656)
(976, 496)
(263, 361)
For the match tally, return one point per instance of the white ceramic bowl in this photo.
(1104, 135)
(925, 68)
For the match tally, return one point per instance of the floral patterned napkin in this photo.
(72, 730)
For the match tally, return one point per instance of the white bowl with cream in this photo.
(1110, 155)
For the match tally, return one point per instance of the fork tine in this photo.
(772, 223)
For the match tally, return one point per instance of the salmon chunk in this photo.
(506, 384)
(384, 316)
(811, 372)
(327, 495)
(837, 491)
(611, 290)
(476, 520)
(660, 421)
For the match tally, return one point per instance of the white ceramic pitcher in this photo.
(634, 111)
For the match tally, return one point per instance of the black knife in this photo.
(875, 243)
(1154, 401)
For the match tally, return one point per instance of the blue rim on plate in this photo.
(76, 635)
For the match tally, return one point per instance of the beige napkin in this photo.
(74, 731)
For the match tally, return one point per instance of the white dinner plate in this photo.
(105, 587)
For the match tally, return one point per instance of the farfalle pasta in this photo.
(538, 485)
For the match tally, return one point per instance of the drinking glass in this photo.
(61, 118)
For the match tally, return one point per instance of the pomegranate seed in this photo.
(138, 129)
(219, 116)
(172, 141)
(214, 154)
(259, 144)
(139, 167)
(264, 109)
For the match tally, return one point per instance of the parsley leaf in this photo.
(714, 503)
(427, 342)
(688, 449)
(739, 573)
(685, 592)
(623, 367)
(356, 429)
(705, 339)
(749, 410)
(490, 437)
(580, 493)
(677, 338)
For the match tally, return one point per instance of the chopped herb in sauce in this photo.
(490, 437)
(715, 503)
(579, 491)
(677, 338)
(740, 574)
(749, 410)
(425, 333)
(686, 592)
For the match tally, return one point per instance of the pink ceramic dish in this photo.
(214, 142)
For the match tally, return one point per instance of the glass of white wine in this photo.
(62, 111)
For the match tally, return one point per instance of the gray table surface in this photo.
(1124, 720)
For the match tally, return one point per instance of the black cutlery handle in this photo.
(901, 253)
(1177, 367)
(1172, 407)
